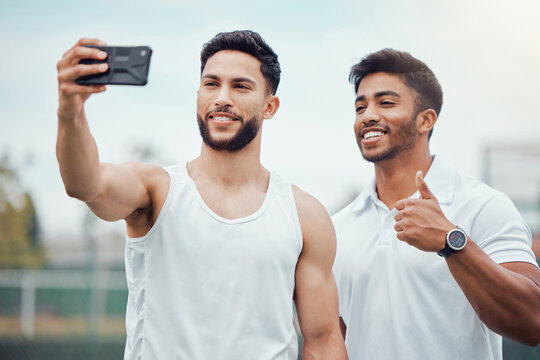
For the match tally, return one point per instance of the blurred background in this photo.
(62, 282)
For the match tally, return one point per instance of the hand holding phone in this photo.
(127, 66)
(71, 96)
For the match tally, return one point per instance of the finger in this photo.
(82, 42)
(398, 227)
(401, 204)
(71, 61)
(405, 236)
(85, 52)
(73, 73)
(76, 54)
(90, 41)
(399, 215)
(422, 187)
(68, 89)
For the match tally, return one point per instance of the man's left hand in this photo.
(421, 222)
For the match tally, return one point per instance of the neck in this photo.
(227, 168)
(395, 178)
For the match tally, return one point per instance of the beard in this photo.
(241, 139)
(401, 139)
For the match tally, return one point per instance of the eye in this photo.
(210, 83)
(387, 103)
(241, 86)
(360, 108)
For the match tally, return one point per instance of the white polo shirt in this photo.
(399, 302)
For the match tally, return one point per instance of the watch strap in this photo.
(446, 252)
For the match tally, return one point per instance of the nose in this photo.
(223, 97)
(370, 115)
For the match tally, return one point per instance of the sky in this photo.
(485, 54)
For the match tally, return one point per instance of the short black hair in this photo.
(414, 73)
(251, 43)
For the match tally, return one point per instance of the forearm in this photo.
(327, 346)
(78, 158)
(76, 150)
(507, 302)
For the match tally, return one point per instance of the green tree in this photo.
(19, 227)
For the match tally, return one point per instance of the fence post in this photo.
(98, 300)
(28, 304)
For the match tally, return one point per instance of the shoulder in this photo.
(150, 175)
(476, 196)
(314, 220)
(469, 184)
(490, 213)
(145, 170)
(155, 180)
(451, 185)
(308, 207)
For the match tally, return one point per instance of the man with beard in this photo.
(219, 247)
(399, 299)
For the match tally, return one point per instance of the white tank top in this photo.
(205, 287)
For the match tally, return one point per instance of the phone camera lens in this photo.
(143, 52)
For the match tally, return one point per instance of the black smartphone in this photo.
(128, 65)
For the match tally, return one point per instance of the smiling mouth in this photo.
(373, 134)
(223, 118)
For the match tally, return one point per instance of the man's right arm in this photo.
(112, 192)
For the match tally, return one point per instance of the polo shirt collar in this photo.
(367, 195)
(440, 179)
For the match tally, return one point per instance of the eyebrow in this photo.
(210, 76)
(234, 80)
(246, 80)
(379, 95)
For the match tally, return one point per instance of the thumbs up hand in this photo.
(421, 222)
(422, 187)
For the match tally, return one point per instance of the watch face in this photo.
(457, 239)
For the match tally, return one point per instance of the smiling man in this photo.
(434, 268)
(219, 247)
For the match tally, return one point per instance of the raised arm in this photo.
(112, 192)
(316, 292)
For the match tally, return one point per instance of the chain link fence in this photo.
(62, 314)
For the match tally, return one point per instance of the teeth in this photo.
(223, 118)
(373, 134)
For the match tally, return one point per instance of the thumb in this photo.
(422, 187)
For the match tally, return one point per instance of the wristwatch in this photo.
(456, 240)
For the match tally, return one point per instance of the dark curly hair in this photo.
(251, 43)
(413, 72)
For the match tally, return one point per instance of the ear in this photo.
(426, 120)
(272, 105)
